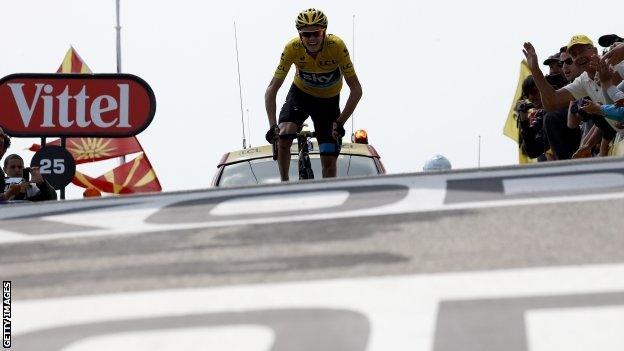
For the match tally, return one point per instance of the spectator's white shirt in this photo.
(584, 86)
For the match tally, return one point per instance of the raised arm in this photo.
(552, 99)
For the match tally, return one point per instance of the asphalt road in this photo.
(492, 259)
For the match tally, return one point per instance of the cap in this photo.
(608, 40)
(552, 59)
(579, 40)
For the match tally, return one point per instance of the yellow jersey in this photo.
(320, 76)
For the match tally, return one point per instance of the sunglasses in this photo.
(567, 61)
(316, 33)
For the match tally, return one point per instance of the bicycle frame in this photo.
(305, 166)
(304, 163)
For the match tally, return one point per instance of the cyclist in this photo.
(322, 60)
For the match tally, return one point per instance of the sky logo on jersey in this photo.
(320, 80)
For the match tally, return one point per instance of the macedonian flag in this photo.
(96, 149)
(73, 63)
(91, 149)
(136, 176)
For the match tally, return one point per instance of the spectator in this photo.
(614, 112)
(585, 56)
(615, 56)
(530, 121)
(569, 69)
(5, 142)
(553, 62)
(609, 39)
(582, 51)
(19, 188)
(563, 141)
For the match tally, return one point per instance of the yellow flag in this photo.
(511, 126)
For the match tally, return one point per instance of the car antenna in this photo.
(479, 154)
(248, 127)
(240, 89)
(353, 60)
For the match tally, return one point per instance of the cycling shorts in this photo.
(324, 112)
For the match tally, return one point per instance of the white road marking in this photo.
(401, 309)
(240, 338)
(536, 185)
(280, 202)
(426, 194)
(576, 329)
(128, 221)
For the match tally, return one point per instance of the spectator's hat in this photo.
(608, 40)
(579, 40)
(552, 59)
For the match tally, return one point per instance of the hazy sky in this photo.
(435, 75)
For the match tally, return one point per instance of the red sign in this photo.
(75, 105)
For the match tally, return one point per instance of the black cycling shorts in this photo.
(324, 112)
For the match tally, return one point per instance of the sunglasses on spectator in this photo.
(316, 33)
(567, 61)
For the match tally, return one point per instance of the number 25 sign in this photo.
(56, 165)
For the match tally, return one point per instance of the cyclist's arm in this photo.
(269, 99)
(355, 94)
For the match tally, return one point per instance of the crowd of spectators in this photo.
(576, 110)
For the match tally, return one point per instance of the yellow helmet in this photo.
(311, 17)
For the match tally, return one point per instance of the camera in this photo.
(524, 106)
(576, 108)
(26, 173)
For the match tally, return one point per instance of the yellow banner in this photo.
(511, 127)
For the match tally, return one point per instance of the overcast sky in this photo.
(435, 75)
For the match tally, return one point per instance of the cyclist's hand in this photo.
(272, 134)
(338, 131)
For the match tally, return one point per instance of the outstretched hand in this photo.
(605, 73)
(531, 56)
(615, 55)
(592, 108)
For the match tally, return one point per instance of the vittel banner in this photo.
(75, 105)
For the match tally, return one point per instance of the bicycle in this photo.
(304, 163)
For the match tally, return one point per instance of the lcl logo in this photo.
(76, 105)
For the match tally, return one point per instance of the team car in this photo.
(256, 165)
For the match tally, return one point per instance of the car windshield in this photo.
(264, 170)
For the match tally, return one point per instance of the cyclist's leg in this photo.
(287, 131)
(291, 117)
(325, 113)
